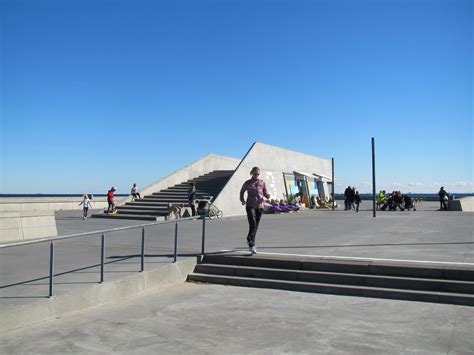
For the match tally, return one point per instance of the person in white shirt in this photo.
(86, 203)
(135, 193)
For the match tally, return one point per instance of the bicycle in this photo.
(215, 212)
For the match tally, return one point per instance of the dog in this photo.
(174, 210)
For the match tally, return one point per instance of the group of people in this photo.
(395, 201)
(352, 199)
(297, 204)
(275, 206)
(86, 200)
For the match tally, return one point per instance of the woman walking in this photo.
(256, 191)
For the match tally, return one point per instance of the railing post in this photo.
(102, 257)
(203, 234)
(143, 251)
(51, 268)
(175, 241)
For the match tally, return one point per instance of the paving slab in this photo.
(193, 318)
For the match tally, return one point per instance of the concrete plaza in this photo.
(218, 319)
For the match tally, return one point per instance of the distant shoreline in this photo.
(53, 195)
(364, 196)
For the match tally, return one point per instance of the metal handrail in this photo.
(77, 235)
(102, 253)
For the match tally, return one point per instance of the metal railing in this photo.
(102, 234)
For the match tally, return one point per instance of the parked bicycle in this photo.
(208, 209)
(215, 212)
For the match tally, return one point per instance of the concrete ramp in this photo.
(88, 297)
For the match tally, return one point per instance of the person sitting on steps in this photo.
(134, 192)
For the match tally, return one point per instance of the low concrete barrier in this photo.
(26, 225)
(98, 295)
(465, 204)
(47, 204)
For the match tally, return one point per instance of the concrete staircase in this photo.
(433, 282)
(155, 206)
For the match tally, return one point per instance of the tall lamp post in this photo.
(373, 176)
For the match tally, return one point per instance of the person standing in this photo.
(110, 200)
(86, 203)
(347, 193)
(443, 199)
(357, 200)
(192, 197)
(256, 191)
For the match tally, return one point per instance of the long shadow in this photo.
(63, 273)
(118, 258)
(363, 245)
(162, 255)
(8, 297)
(67, 218)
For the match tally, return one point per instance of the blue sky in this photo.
(101, 93)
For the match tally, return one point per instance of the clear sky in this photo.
(104, 92)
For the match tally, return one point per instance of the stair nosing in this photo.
(289, 282)
(313, 272)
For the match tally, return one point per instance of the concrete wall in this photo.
(199, 167)
(47, 204)
(26, 225)
(465, 204)
(273, 162)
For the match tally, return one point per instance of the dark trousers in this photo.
(253, 216)
(192, 204)
(135, 195)
(85, 211)
(443, 205)
(111, 207)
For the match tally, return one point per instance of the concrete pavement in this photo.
(212, 319)
(424, 235)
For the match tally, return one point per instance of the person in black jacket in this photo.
(192, 197)
(351, 198)
(357, 200)
(443, 199)
(347, 193)
(408, 202)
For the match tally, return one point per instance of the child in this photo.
(357, 200)
(110, 200)
(86, 203)
(134, 192)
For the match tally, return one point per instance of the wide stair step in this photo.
(119, 215)
(439, 283)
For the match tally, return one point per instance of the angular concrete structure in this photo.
(285, 173)
(220, 178)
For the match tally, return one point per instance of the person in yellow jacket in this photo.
(380, 198)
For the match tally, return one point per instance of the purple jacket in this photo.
(256, 191)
